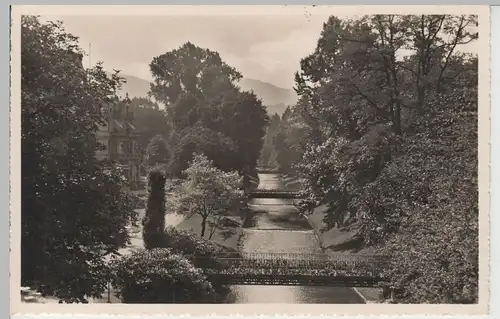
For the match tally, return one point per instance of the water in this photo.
(277, 227)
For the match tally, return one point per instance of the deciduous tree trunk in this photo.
(203, 226)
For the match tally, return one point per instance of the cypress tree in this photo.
(154, 219)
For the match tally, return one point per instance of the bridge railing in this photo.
(264, 190)
(299, 263)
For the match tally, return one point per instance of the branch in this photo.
(380, 112)
(455, 43)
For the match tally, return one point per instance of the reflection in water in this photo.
(294, 294)
(278, 228)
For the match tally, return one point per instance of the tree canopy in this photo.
(157, 152)
(149, 121)
(65, 236)
(207, 192)
(388, 131)
(200, 92)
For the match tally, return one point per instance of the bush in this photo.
(160, 276)
(199, 251)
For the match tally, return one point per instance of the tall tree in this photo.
(218, 148)
(244, 120)
(154, 219)
(393, 108)
(191, 71)
(268, 153)
(200, 90)
(65, 235)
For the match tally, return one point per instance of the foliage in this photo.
(65, 236)
(157, 152)
(268, 153)
(200, 91)
(245, 123)
(189, 70)
(154, 219)
(217, 147)
(160, 276)
(149, 121)
(207, 192)
(288, 143)
(202, 253)
(389, 108)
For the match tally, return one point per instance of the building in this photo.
(118, 136)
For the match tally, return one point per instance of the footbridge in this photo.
(273, 193)
(300, 269)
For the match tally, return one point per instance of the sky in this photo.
(267, 48)
(263, 47)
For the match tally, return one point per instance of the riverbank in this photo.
(338, 241)
(274, 225)
(228, 236)
(335, 240)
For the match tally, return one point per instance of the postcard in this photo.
(250, 160)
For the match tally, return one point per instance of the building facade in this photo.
(118, 137)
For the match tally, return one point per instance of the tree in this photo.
(268, 153)
(207, 192)
(217, 147)
(244, 120)
(149, 121)
(290, 135)
(189, 71)
(160, 276)
(157, 152)
(391, 110)
(74, 210)
(200, 90)
(154, 219)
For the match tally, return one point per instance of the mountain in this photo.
(135, 87)
(275, 98)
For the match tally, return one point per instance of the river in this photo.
(276, 227)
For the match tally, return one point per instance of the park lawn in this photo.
(291, 183)
(339, 241)
(335, 239)
(219, 237)
(288, 179)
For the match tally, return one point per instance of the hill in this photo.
(134, 86)
(275, 98)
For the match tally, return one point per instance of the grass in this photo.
(336, 239)
(340, 241)
(227, 237)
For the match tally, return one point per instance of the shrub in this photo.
(160, 276)
(199, 251)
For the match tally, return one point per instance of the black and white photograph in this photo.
(295, 155)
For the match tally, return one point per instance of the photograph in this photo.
(249, 155)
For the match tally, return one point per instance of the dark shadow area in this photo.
(354, 245)
(293, 221)
(251, 218)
